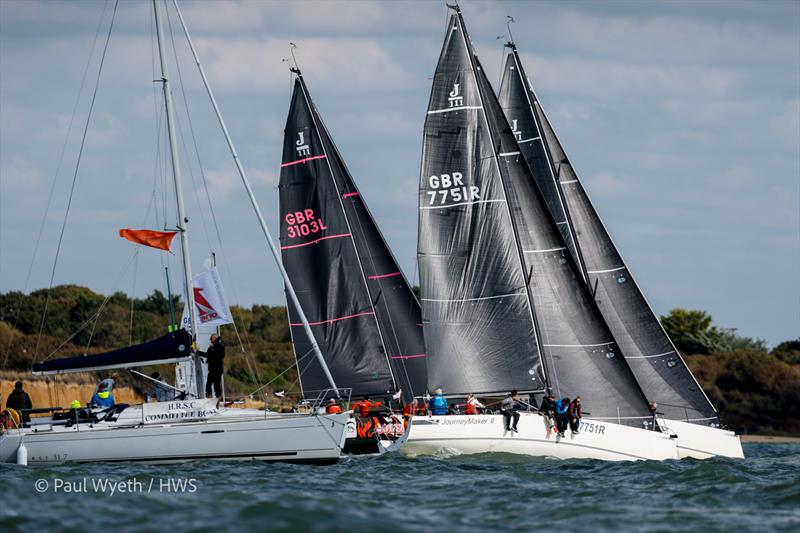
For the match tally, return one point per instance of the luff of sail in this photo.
(478, 323)
(580, 355)
(654, 360)
(363, 313)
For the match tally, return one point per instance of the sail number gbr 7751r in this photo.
(451, 187)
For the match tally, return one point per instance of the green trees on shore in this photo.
(754, 389)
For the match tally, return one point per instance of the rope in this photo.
(75, 178)
(55, 180)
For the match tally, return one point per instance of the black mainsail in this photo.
(544, 308)
(656, 364)
(362, 311)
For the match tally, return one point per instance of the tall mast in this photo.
(183, 220)
(262, 222)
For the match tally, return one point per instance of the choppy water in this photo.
(469, 493)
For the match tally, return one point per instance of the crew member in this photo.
(333, 407)
(410, 409)
(575, 413)
(19, 401)
(215, 356)
(508, 408)
(363, 407)
(548, 410)
(562, 407)
(103, 397)
(472, 405)
(438, 404)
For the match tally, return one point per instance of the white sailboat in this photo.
(180, 430)
(503, 305)
(656, 363)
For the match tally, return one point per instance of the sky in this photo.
(681, 118)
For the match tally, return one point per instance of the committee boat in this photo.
(364, 316)
(191, 427)
(503, 303)
(648, 350)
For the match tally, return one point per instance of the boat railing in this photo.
(322, 395)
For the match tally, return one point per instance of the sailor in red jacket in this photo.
(362, 407)
(472, 405)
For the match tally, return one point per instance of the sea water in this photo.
(487, 492)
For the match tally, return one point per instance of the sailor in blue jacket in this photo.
(562, 420)
(102, 396)
(438, 404)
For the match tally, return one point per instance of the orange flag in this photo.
(154, 239)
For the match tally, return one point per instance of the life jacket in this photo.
(409, 409)
(333, 409)
(470, 409)
(438, 405)
(561, 406)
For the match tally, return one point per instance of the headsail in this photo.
(655, 362)
(362, 310)
(479, 328)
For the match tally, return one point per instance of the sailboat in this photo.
(363, 313)
(504, 306)
(185, 429)
(648, 350)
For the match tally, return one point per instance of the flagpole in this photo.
(183, 220)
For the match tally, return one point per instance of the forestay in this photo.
(656, 364)
(362, 311)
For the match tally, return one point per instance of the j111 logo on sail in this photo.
(515, 131)
(456, 99)
(301, 146)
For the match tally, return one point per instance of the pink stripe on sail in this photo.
(384, 275)
(365, 313)
(349, 194)
(290, 163)
(314, 241)
(409, 356)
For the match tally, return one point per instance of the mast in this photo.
(262, 222)
(183, 220)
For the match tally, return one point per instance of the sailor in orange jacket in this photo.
(333, 408)
(362, 407)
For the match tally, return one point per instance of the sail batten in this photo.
(656, 364)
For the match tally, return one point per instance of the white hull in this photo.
(468, 434)
(274, 437)
(703, 442)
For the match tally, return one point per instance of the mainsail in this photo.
(558, 317)
(362, 311)
(656, 364)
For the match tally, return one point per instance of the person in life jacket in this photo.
(562, 419)
(410, 409)
(103, 397)
(438, 404)
(575, 413)
(472, 405)
(333, 407)
(363, 407)
(548, 411)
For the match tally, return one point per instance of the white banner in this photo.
(211, 306)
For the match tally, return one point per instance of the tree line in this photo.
(755, 389)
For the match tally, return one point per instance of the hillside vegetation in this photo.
(755, 390)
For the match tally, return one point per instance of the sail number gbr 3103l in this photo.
(302, 223)
(449, 188)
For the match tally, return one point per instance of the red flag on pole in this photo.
(154, 239)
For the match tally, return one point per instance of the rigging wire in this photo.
(75, 177)
(55, 180)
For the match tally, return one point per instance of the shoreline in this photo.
(769, 439)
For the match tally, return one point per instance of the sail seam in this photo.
(567, 182)
(315, 241)
(297, 162)
(528, 140)
(544, 250)
(329, 321)
(409, 356)
(650, 356)
(381, 276)
(475, 299)
(606, 270)
(460, 203)
(436, 111)
(507, 154)
(578, 345)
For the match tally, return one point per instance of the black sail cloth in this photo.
(656, 364)
(362, 311)
(563, 322)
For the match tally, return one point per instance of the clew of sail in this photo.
(656, 364)
(479, 329)
(361, 309)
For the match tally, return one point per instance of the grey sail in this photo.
(478, 323)
(656, 364)
(580, 355)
